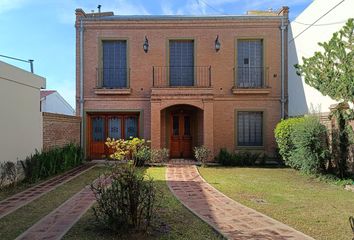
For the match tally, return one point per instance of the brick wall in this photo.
(59, 130)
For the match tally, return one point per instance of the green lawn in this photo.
(17, 222)
(316, 208)
(174, 221)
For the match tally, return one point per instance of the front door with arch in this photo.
(181, 135)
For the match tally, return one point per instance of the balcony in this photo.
(112, 81)
(181, 76)
(251, 80)
(181, 82)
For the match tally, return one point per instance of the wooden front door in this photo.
(181, 137)
(103, 126)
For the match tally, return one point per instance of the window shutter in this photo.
(115, 128)
(250, 63)
(181, 62)
(131, 127)
(97, 129)
(114, 70)
(249, 128)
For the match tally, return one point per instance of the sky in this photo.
(43, 30)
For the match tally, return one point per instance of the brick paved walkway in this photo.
(231, 219)
(58, 222)
(18, 200)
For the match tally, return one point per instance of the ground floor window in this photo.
(117, 126)
(249, 128)
(101, 126)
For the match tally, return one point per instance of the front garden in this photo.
(172, 220)
(315, 207)
(135, 203)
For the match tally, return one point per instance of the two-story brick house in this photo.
(181, 81)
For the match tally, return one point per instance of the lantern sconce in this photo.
(146, 45)
(217, 44)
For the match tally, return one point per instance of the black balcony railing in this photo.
(249, 77)
(181, 76)
(113, 77)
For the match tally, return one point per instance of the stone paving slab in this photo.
(18, 200)
(57, 223)
(232, 219)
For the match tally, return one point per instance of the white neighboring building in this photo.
(303, 98)
(53, 102)
(20, 117)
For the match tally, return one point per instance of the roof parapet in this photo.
(81, 13)
(284, 11)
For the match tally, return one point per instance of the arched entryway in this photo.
(181, 129)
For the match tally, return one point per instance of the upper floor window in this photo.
(114, 64)
(181, 67)
(249, 128)
(250, 63)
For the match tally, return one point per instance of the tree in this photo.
(332, 71)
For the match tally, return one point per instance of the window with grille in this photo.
(131, 127)
(117, 126)
(250, 63)
(97, 129)
(114, 64)
(249, 128)
(181, 62)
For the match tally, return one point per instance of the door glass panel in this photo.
(114, 128)
(98, 129)
(187, 126)
(175, 124)
(131, 127)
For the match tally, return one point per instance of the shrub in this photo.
(283, 138)
(44, 164)
(143, 155)
(128, 203)
(239, 159)
(120, 147)
(224, 157)
(129, 150)
(310, 149)
(8, 174)
(160, 156)
(202, 154)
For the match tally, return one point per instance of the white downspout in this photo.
(81, 29)
(282, 71)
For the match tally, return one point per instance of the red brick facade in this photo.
(215, 106)
(59, 130)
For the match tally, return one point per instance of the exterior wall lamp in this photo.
(146, 45)
(217, 43)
